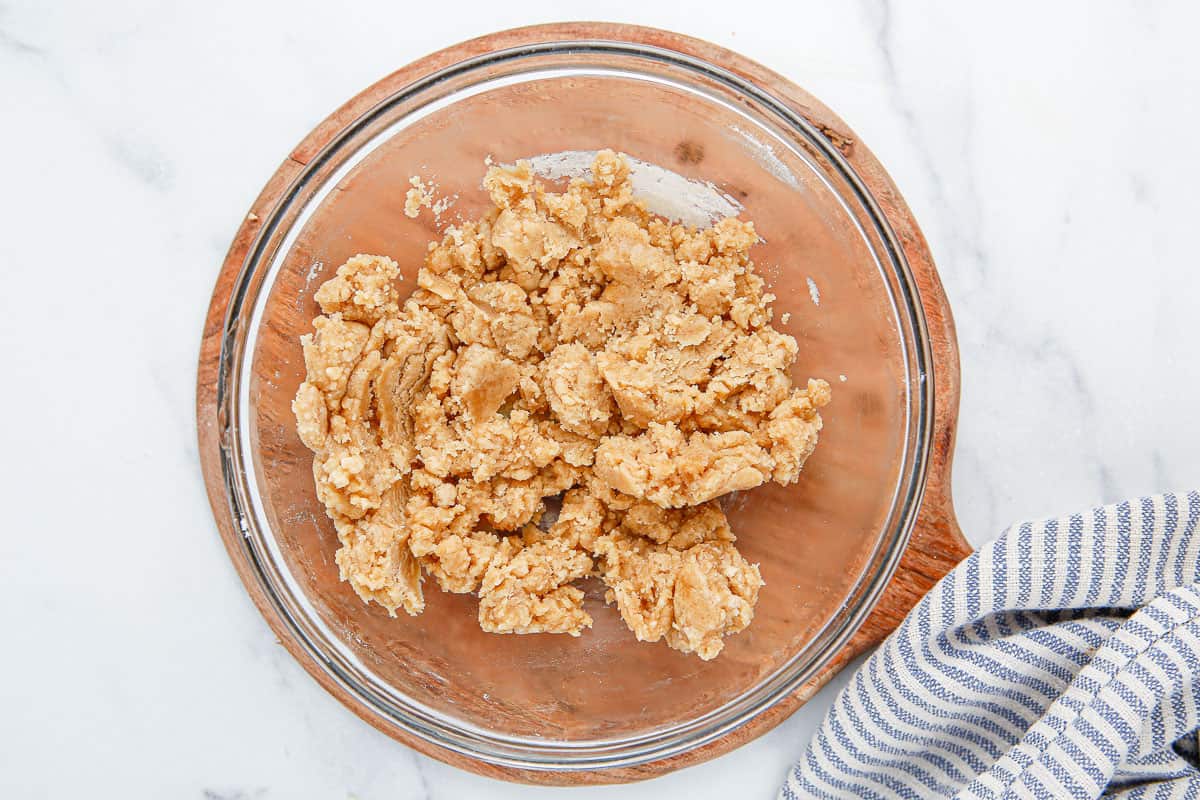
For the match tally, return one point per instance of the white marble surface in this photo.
(1047, 149)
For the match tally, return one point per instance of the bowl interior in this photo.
(818, 542)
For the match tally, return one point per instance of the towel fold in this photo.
(1061, 660)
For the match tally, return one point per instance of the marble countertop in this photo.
(1047, 151)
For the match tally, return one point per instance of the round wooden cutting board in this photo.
(936, 544)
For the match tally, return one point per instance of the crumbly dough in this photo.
(419, 196)
(565, 347)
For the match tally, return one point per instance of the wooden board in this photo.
(936, 544)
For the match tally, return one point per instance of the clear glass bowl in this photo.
(827, 545)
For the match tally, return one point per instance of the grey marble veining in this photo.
(1046, 149)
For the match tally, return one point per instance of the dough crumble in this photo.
(565, 345)
(419, 195)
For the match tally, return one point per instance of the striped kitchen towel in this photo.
(1062, 660)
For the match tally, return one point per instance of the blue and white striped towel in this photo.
(1061, 660)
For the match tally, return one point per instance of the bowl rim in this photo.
(247, 253)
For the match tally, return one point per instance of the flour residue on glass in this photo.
(693, 202)
(765, 155)
(814, 293)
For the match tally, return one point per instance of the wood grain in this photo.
(936, 544)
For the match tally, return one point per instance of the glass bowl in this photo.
(602, 705)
